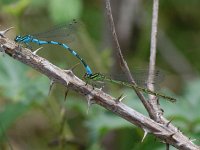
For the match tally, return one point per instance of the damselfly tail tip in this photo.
(171, 99)
(174, 100)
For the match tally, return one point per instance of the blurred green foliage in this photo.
(30, 119)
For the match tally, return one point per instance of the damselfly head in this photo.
(86, 76)
(94, 76)
(24, 39)
(18, 38)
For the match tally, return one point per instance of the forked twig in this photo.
(123, 63)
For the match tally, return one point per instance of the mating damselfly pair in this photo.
(65, 31)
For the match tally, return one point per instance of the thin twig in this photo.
(153, 100)
(167, 146)
(152, 61)
(123, 63)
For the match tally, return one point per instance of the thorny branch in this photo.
(152, 105)
(165, 132)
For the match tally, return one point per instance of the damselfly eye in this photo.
(85, 76)
(17, 38)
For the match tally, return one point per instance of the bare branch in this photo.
(153, 43)
(153, 100)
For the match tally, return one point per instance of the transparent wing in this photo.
(96, 84)
(141, 77)
(65, 32)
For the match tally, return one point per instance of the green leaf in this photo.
(7, 1)
(18, 8)
(9, 114)
(18, 84)
(62, 10)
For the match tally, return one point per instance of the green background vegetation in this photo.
(30, 119)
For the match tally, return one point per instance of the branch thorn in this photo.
(89, 103)
(146, 131)
(120, 98)
(167, 125)
(2, 33)
(192, 140)
(171, 135)
(66, 93)
(2, 50)
(50, 86)
(35, 52)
